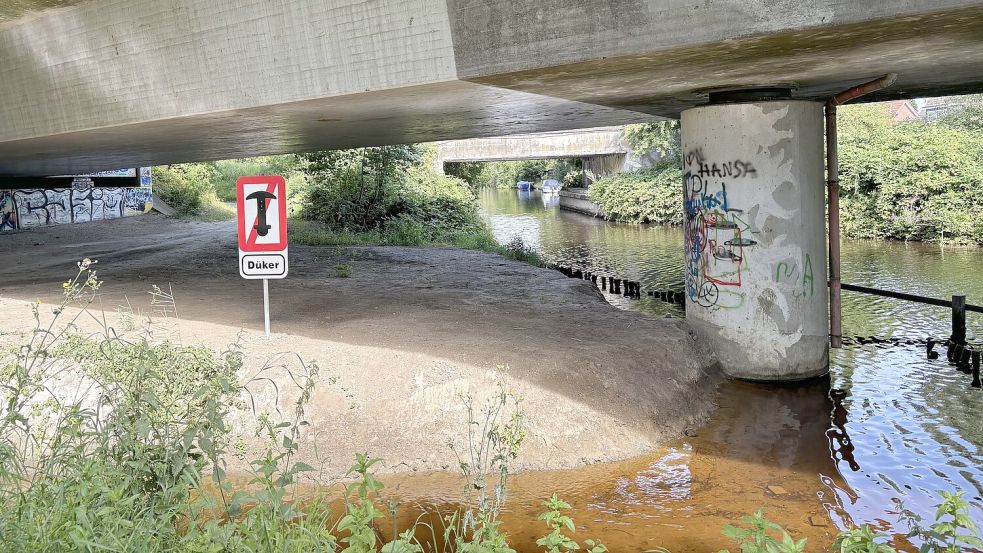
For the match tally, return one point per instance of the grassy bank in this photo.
(316, 234)
(205, 191)
(189, 189)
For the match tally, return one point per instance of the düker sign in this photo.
(261, 204)
(262, 210)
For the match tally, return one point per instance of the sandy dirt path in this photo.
(409, 331)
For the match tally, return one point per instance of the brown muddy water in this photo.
(888, 426)
(756, 454)
(765, 449)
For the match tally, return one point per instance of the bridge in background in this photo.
(603, 150)
(602, 141)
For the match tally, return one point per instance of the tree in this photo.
(533, 169)
(348, 187)
(469, 171)
(909, 181)
(662, 136)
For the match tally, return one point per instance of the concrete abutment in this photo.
(755, 237)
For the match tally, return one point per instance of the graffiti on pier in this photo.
(717, 234)
(735, 169)
(801, 277)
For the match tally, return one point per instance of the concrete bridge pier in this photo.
(755, 236)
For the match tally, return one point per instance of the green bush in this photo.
(442, 204)
(297, 187)
(355, 189)
(652, 195)
(389, 198)
(420, 206)
(500, 174)
(336, 201)
(969, 118)
(662, 136)
(343, 271)
(909, 181)
(573, 179)
(534, 169)
(186, 187)
(561, 168)
(228, 171)
(354, 199)
(179, 378)
(109, 464)
(468, 171)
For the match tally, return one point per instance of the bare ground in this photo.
(404, 336)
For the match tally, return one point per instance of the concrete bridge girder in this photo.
(98, 84)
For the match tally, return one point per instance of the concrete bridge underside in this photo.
(98, 84)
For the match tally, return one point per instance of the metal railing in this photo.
(966, 358)
(957, 304)
(958, 352)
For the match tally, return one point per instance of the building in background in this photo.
(903, 110)
(935, 108)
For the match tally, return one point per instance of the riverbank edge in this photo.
(603, 384)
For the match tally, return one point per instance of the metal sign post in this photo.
(266, 305)
(261, 204)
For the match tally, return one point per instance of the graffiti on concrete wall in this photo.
(96, 204)
(146, 176)
(137, 201)
(8, 211)
(28, 208)
(717, 235)
(41, 207)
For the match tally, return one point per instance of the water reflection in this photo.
(652, 256)
(898, 424)
(840, 446)
(551, 200)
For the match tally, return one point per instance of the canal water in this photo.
(888, 428)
